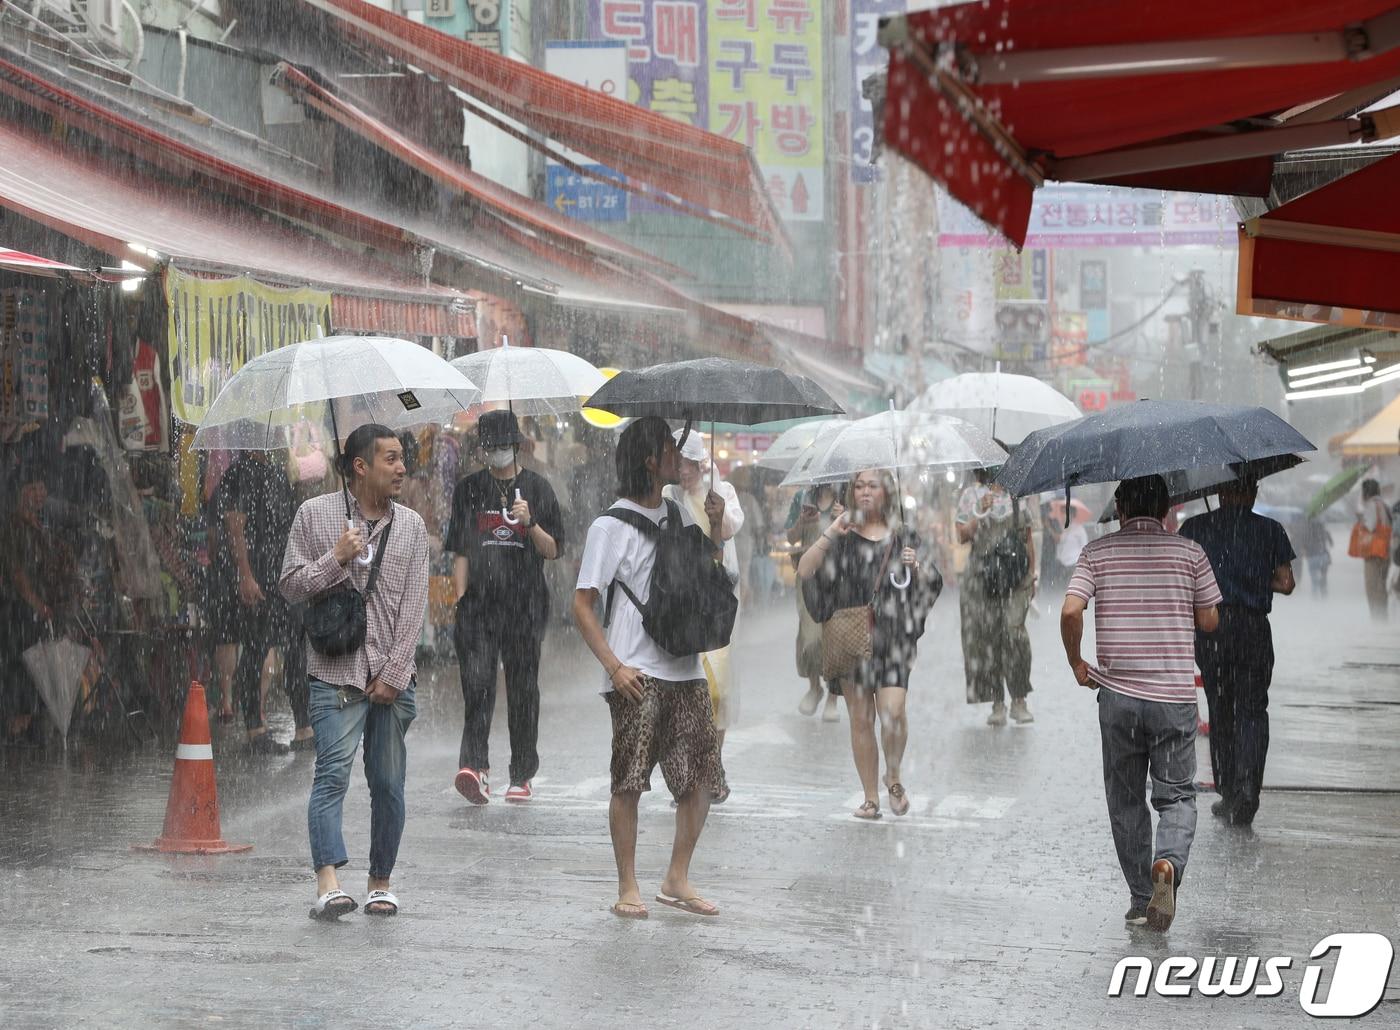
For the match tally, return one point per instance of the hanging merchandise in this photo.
(144, 416)
(309, 462)
(24, 356)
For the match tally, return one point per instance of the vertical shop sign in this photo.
(667, 44)
(482, 23)
(766, 91)
(601, 67)
(218, 325)
(24, 356)
(666, 48)
(868, 58)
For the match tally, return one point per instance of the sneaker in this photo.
(1221, 810)
(1137, 915)
(472, 785)
(520, 792)
(832, 711)
(1161, 910)
(809, 702)
(1020, 712)
(998, 716)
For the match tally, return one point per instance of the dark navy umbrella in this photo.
(1147, 438)
(714, 390)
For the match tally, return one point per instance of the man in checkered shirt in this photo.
(367, 693)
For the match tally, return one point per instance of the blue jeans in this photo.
(340, 717)
(1141, 739)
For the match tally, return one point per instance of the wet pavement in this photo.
(997, 902)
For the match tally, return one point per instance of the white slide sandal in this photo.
(333, 904)
(382, 898)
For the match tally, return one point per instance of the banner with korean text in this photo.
(219, 325)
(766, 91)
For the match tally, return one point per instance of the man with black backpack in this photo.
(669, 601)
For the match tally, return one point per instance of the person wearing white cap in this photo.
(696, 483)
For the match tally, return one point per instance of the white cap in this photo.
(694, 446)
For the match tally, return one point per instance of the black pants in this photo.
(484, 640)
(1237, 664)
(261, 629)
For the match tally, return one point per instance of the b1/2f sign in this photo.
(601, 66)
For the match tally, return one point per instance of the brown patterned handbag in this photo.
(846, 636)
(845, 642)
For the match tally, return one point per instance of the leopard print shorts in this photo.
(671, 726)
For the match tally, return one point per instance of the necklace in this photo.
(503, 487)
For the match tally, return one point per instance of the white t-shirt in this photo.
(615, 550)
(1072, 541)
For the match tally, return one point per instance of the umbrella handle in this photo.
(368, 555)
(904, 584)
(506, 515)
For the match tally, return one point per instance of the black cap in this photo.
(498, 429)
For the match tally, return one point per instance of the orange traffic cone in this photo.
(192, 813)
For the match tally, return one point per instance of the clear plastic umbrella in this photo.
(793, 443)
(56, 666)
(1006, 407)
(355, 380)
(351, 380)
(532, 380)
(895, 440)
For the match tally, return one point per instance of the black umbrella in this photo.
(1193, 484)
(1147, 438)
(714, 390)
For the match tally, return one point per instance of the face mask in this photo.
(500, 457)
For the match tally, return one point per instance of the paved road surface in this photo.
(997, 902)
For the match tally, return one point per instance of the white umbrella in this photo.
(793, 443)
(532, 380)
(895, 440)
(56, 667)
(1006, 407)
(360, 379)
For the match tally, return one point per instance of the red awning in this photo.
(113, 209)
(708, 171)
(33, 264)
(1332, 255)
(497, 199)
(991, 98)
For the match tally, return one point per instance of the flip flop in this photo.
(899, 799)
(332, 905)
(381, 898)
(629, 910)
(868, 810)
(695, 906)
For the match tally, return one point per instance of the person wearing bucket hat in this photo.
(697, 484)
(505, 524)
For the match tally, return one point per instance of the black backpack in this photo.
(691, 606)
(1004, 567)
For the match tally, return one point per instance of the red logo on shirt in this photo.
(493, 526)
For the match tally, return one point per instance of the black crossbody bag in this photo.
(336, 622)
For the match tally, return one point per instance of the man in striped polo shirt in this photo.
(1151, 591)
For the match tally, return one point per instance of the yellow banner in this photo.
(766, 91)
(219, 325)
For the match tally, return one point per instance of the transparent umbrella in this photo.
(532, 380)
(1006, 407)
(793, 443)
(353, 380)
(356, 380)
(895, 440)
(56, 666)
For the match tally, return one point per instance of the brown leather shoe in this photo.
(1161, 910)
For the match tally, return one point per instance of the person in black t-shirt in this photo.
(505, 525)
(254, 507)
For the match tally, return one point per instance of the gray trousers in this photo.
(1141, 737)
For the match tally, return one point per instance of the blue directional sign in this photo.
(583, 197)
